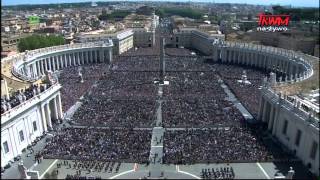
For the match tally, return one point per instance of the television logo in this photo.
(273, 23)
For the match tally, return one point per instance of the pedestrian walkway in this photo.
(236, 102)
(156, 150)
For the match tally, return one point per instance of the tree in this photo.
(39, 41)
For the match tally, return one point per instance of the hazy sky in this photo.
(304, 3)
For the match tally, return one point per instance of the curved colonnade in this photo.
(288, 64)
(31, 65)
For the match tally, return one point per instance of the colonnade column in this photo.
(44, 119)
(271, 117)
(110, 55)
(82, 57)
(275, 119)
(55, 109)
(264, 111)
(78, 58)
(95, 56)
(101, 59)
(69, 59)
(38, 68)
(44, 65)
(87, 57)
(50, 63)
(60, 61)
(48, 115)
(54, 62)
(73, 55)
(59, 105)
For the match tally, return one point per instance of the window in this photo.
(177, 39)
(298, 137)
(21, 136)
(34, 126)
(313, 150)
(5, 147)
(285, 127)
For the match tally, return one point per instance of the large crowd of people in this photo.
(87, 144)
(200, 113)
(248, 94)
(124, 98)
(20, 96)
(72, 87)
(199, 85)
(219, 144)
(97, 111)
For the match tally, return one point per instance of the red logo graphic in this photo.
(273, 23)
(273, 20)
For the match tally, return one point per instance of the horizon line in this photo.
(181, 1)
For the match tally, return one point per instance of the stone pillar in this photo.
(91, 56)
(162, 59)
(4, 89)
(271, 117)
(59, 106)
(55, 108)
(57, 62)
(73, 55)
(215, 54)
(54, 61)
(13, 142)
(87, 57)
(275, 119)
(43, 117)
(48, 116)
(50, 67)
(228, 56)
(101, 59)
(82, 58)
(65, 64)
(235, 56)
(35, 70)
(69, 59)
(95, 56)
(239, 56)
(110, 55)
(264, 113)
(44, 65)
(78, 58)
(39, 67)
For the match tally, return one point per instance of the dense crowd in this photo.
(136, 63)
(21, 96)
(248, 94)
(73, 88)
(222, 173)
(127, 85)
(200, 113)
(125, 145)
(199, 85)
(185, 63)
(125, 99)
(220, 144)
(96, 111)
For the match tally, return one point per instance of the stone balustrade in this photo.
(9, 114)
